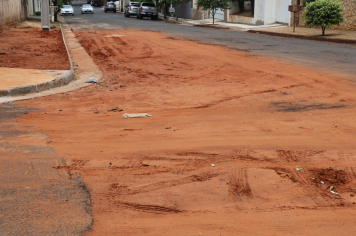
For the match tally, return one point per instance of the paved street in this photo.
(321, 55)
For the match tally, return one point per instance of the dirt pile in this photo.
(221, 154)
(27, 47)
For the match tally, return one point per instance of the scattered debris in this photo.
(168, 127)
(331, 187)
(91, 80)
(115, 109)
(97, 122)
(333, 192)
(322, 182)
(135, 115)
(212, 165)
(299, 169)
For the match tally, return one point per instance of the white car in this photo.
(87, 8)
(67, 10)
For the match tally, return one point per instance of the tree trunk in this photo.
(55, 13)
(252, 7)
(213, 15)
(180, 9)
(164, 10)
(241, 5)
(323, 29)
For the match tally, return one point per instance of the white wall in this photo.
(282, 13)
(219, 14)
(272, 11)
(235, 8)
(260, 11)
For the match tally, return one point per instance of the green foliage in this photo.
(38, 13)
(214, 5)
(307, 1)
(324, 13)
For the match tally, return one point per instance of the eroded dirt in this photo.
(209, 105)
(27, 47)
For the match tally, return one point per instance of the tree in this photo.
(324, 13)
(307, 1)
(214, 5)
(59, 4)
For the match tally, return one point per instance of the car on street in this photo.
(87, 8)
(131, 9)
(67, 10)
(147, 9)
(95, 3)
(110, 6)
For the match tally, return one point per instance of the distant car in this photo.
(67, 10)
(95, 3)
(131, 9)
(87, 8)
(110, 6)
(147, 9)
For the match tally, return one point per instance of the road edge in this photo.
(299, 36)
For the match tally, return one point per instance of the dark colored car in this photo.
(110, 6)
(95, 3)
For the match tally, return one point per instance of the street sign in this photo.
(294, 9)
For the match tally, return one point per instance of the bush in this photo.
(324, 13)
(307, 1)
(38, 13)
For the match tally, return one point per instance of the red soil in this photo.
(29, 48)
(256, 119)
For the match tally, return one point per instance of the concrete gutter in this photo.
(86, 69)
(60, 77)
(297, 36)
(213, 27)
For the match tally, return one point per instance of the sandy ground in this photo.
(236, 145)
(26, 46)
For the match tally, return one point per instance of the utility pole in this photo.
(45, 24)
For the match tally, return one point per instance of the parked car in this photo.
(147, 9)
(131, 9)
(110, 6)
(67, 10)
(95, 3)
(87, 8)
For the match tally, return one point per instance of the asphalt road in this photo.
(323, 56)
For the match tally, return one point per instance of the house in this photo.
(265, 12)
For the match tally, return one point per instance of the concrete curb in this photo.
(298, 36)
(213, 27)
(85, 64)
(58, 80)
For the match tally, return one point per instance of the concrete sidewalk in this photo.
(27, 84)
(331, 35)
(281, 30)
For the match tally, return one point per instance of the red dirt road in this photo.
(279, 137)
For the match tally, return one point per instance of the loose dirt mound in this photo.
(209, 105)
(29, 48)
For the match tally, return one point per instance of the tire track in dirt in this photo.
(316, 182)
(169, 183)
(146, 208)
(238, 183)
(217, 102)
